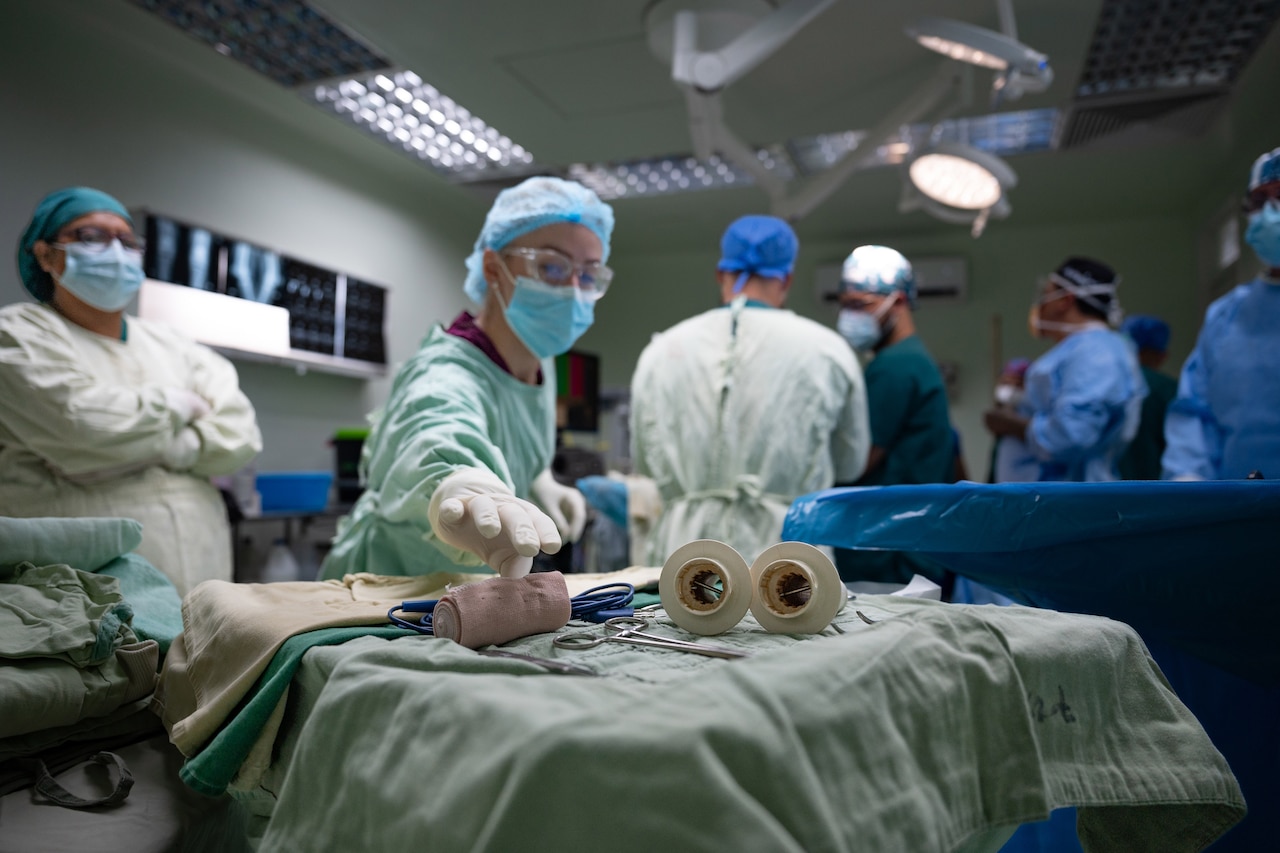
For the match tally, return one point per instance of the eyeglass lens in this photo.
(101, 239)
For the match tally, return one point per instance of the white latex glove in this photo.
(183, 451)
(566, 505)
(188, 405)
(475, 511)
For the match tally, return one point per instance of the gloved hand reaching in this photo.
(188, 405)
(566, 506)
(474, 510)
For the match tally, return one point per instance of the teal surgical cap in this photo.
(531, 205)
(53, 212)
(1147, 332)
(763, 246)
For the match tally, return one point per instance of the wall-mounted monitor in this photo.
(578, 392)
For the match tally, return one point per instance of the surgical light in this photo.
(972, 44)
(1021, 68)
(961, 183)
(955, 181)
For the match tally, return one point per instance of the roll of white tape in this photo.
(705, 587)
(797, 589)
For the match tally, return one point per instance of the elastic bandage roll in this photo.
(498, 610)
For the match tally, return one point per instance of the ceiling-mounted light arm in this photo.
(1008, 25)
(711, 136)
(711, 71)
(820, 187)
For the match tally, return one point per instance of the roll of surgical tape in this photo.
(797, 589)
(498, 610)
(705, 587)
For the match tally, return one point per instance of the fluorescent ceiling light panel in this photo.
(300, 48)
(417, 119)
(1000, 134)
(668, 175)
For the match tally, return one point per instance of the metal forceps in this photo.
(626, 629)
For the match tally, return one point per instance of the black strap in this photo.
(46, 786)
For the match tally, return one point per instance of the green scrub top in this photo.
(1142, 460)
(910, 420)
(450, 407)
(907, 404)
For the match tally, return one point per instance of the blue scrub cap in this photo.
(54, 211)
(878, 269)
(1265, 169)
(531, 205)
(1147, 332)
(758, 245)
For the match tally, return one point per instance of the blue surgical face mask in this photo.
(106, 279)
(859, 328)
(1263, 233)
(862, 328)
(546, 319)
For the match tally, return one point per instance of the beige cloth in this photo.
(232, 631)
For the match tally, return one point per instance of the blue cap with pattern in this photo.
(1266, 169)
(880, 270)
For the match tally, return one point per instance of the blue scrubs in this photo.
(1225, 422)
(1086, 397)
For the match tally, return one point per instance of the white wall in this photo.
(93, 92)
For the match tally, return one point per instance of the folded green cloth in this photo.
(210, 772)
(83, 543)
(157, 609)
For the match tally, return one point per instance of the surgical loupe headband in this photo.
(1082, 286)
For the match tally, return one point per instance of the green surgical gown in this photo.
(450, 407)
(83, 422)
(737, 412)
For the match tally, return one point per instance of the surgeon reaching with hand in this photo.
(468, 431)
(1225, 422)
(107, 415)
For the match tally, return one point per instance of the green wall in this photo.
(99, 92)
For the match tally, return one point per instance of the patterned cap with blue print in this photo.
(1266, 169)
(880, 270)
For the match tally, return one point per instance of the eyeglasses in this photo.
(99, 240)
(558, 269)
(1257, 199)
(861, 302)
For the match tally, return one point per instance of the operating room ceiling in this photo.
(575, 81)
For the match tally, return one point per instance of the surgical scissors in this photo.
(626, 629)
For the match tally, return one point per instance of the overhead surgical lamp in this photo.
(959, 183)
(1021, 69)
